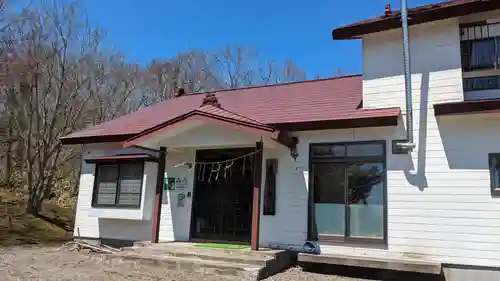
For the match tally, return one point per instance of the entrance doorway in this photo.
(222, 199)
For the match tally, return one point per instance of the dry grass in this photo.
(18, 228)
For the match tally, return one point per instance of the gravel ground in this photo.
(36, 263)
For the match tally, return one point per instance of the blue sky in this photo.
(298, 30)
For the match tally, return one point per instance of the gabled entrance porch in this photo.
(209, 199)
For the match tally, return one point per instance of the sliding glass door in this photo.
(348, 192)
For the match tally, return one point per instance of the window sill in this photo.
(355, 243)
(495, 192)
(119, 213)
(480, 73)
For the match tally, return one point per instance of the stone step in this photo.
(187, 247)
(209, 267)
(260, 264)
(236, 257)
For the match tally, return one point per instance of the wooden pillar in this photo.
(155, 231)
(257, 183)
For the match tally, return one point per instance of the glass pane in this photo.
(106, 189)
(495, 169)
(130, 199)
(483, 54)
(107, 173)
(106, 198)
(365, 149)
(329, 198)
(329, 150)
(482, 83)
(366, 200)
(130, 184)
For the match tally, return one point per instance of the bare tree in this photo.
(55, 78)
(227, 68)
(239, 66)
(49, 83)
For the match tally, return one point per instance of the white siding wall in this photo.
(89, 226)
(175, 220)
(439, 201)
(435, 66)
(211, 136)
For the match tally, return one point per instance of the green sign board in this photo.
(169, 184)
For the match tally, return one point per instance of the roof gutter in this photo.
(409, 144)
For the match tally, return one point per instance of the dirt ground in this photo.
(50, 263)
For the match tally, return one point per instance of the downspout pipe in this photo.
(409, 144)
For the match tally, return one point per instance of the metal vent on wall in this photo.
(397, 149)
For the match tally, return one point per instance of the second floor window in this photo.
(480, 50)
(480, 46)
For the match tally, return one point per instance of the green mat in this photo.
(221, 246)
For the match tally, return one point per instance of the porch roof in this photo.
(212, 115)
(310, 105)
(467, 107)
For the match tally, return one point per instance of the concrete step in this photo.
(255, 265)
(237, 257)
(209, 267)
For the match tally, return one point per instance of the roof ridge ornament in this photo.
(211, 99)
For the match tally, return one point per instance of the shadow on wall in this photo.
(468, 139)
(414, 165)
(419, 178)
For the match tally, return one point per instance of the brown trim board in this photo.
(467, 107)
(339, 124)
(95, 139)
(155, 231)
(428, 13)
(257, 184)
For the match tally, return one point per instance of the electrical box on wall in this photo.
(396, 149)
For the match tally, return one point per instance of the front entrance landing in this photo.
(242, 263)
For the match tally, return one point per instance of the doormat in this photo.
(222, 246)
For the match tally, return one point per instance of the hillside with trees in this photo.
(57, 76)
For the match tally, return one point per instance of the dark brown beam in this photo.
(95, 139)
(155, 231)
(467, 107)
(338, 124)
(257, 183)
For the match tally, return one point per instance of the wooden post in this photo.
(159, 193)
(257, 183)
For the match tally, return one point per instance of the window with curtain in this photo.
(480, 50)
(348, 192)
(118, 185)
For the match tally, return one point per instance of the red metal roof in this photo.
(208, 114)
(421, 14)
(226, 114)
(298, 102)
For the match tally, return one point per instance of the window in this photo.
(270, 187)
(494, 163)
(482, 83)
(118, 185)
(348, 192)
(480, 49)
